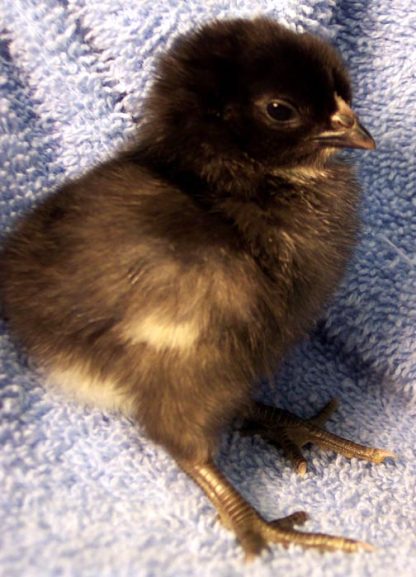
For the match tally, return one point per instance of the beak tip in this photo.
(363, 138)
(368, 144)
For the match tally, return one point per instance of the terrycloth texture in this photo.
(85, 493)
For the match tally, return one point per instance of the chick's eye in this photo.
(281, 111)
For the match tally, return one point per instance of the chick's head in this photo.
(252, 89)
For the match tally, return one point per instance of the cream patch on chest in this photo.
(83, 386)
(161, 333)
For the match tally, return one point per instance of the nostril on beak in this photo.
(340, 120)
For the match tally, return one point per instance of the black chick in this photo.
(166, 282)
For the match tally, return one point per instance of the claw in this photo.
(381, 454)
(294, 454)
(301, 468)
(297, 518)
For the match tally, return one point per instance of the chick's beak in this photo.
(346, 131)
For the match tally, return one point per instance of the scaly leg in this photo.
(291, 433)
(253, 532)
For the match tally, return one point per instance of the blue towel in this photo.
(84, 493)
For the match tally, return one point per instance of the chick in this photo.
(166, 282)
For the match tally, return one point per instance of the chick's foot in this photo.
(250, 528)
(291, 433)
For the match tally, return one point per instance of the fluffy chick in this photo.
(165, 282)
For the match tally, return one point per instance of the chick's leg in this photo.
(290, 433)
(253, 532)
